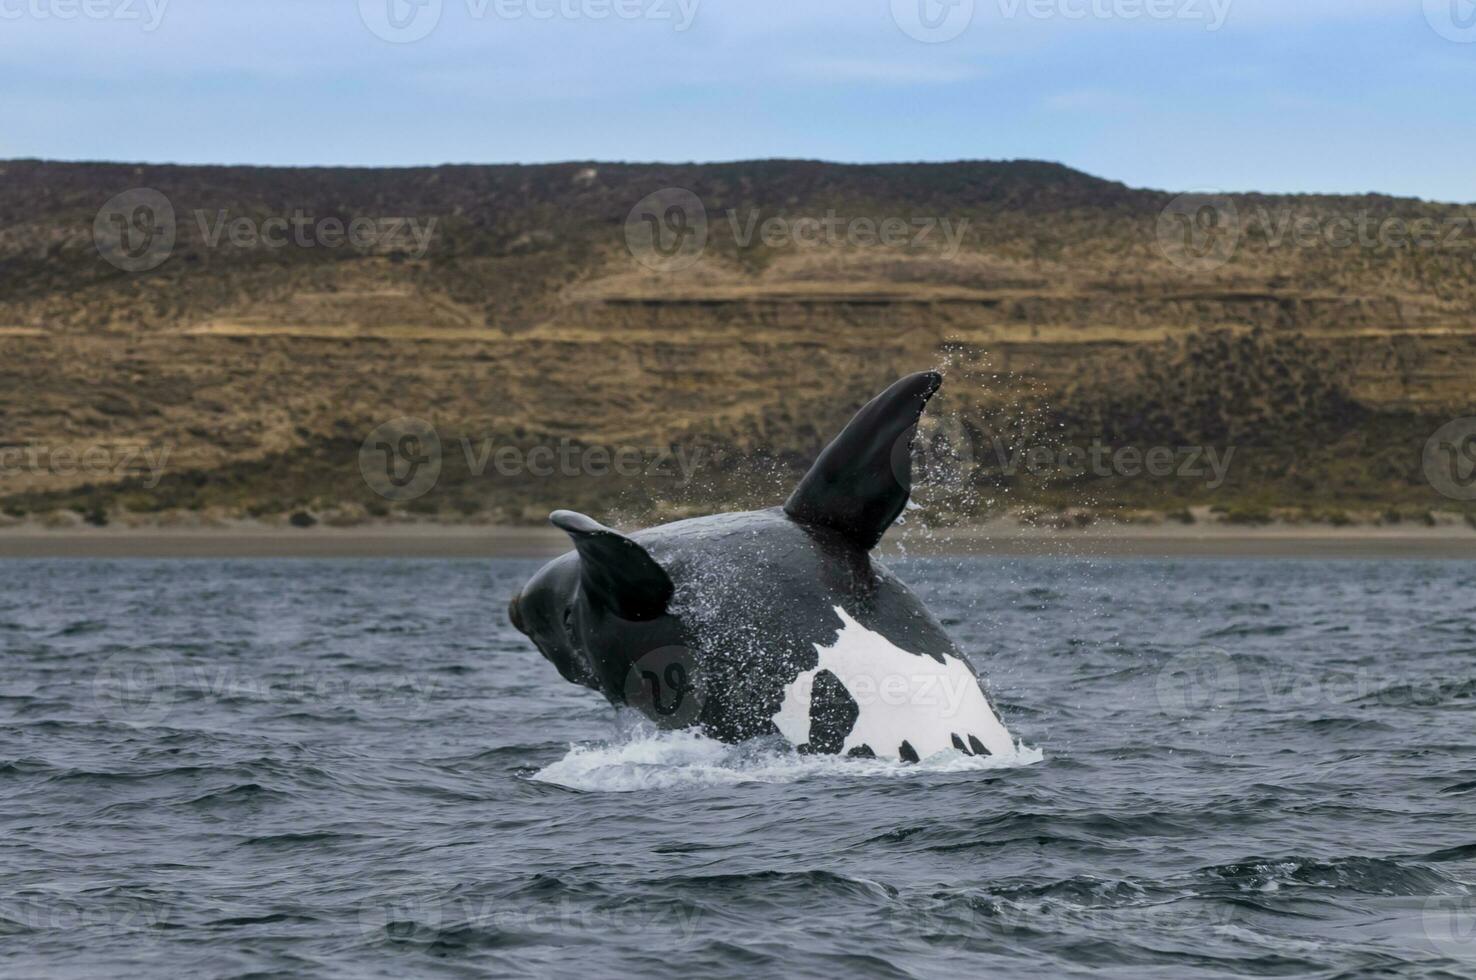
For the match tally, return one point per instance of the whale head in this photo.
(607, 595)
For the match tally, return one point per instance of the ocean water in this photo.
(256, 768)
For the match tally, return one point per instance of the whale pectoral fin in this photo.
(862, 480)
(615, 572)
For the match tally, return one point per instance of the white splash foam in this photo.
(899, 696)
(686, 759)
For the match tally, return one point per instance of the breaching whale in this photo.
(774, 621)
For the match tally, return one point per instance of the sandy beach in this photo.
(391, 541)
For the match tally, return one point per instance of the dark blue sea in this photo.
(358, 768)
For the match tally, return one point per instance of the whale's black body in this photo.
(709, 622)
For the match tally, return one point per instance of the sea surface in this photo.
(358, 768)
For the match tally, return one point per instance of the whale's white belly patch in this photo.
(900, 696)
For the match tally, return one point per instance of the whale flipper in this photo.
(615, 572)
(862, 480)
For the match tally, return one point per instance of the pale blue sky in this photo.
(1284, 95)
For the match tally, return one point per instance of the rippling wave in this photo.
(357, 768)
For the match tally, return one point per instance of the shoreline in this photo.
(492, 541)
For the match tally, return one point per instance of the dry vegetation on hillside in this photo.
(527, 322)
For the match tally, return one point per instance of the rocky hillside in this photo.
(225, 340)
